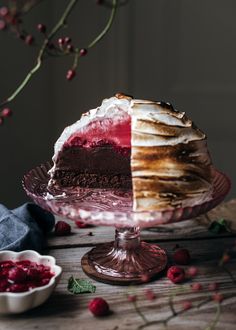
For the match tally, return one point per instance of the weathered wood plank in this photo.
(227, 211)
(194, 228)
(66, 311)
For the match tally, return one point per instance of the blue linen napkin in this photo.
(24, 227)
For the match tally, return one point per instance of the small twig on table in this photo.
(212, 325)
(138, 311)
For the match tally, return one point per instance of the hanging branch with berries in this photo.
(11, 18)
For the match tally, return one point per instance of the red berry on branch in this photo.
(62, 228)
(61, 41)
(6, 112)
(70, 74)
(83, 51)
(67, 40)
(21, 36)
(29, 39)
(2, 25)
(182, 257)
(176, 274)
(4, 11)
(70, 48)
(41, 28)
(99, 307)
(13, 20)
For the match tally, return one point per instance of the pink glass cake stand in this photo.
(127, 260)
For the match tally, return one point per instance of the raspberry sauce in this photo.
(102, 133)
(24, 275)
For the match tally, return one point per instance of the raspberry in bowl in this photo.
(27, 279)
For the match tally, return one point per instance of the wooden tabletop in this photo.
(64, 310)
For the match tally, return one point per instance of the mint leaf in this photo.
(79, 285)
(219, 226)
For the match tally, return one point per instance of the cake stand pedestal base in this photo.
(125, 261)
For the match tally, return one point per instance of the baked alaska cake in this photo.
(142, 145)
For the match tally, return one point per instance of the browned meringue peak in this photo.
(154, 124)
(170, 163)
(123, 96)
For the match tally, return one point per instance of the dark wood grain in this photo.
(66, 311)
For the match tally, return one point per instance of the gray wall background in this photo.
(182, 51)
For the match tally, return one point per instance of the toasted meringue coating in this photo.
(170, 163)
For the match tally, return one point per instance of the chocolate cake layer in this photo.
(75, 179)
(98, 167)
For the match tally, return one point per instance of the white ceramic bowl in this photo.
(19, 302)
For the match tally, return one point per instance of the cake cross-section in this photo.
(142, 145)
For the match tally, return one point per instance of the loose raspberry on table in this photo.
(182, 257)
(192, 271)
(213, 286)
(132, 298)
(176, 274)
(99, 307)
(81, 224)
(186, 305)
(145, 278)
(196, 287)
(150, 295)
(62, 228)
(218, 297)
